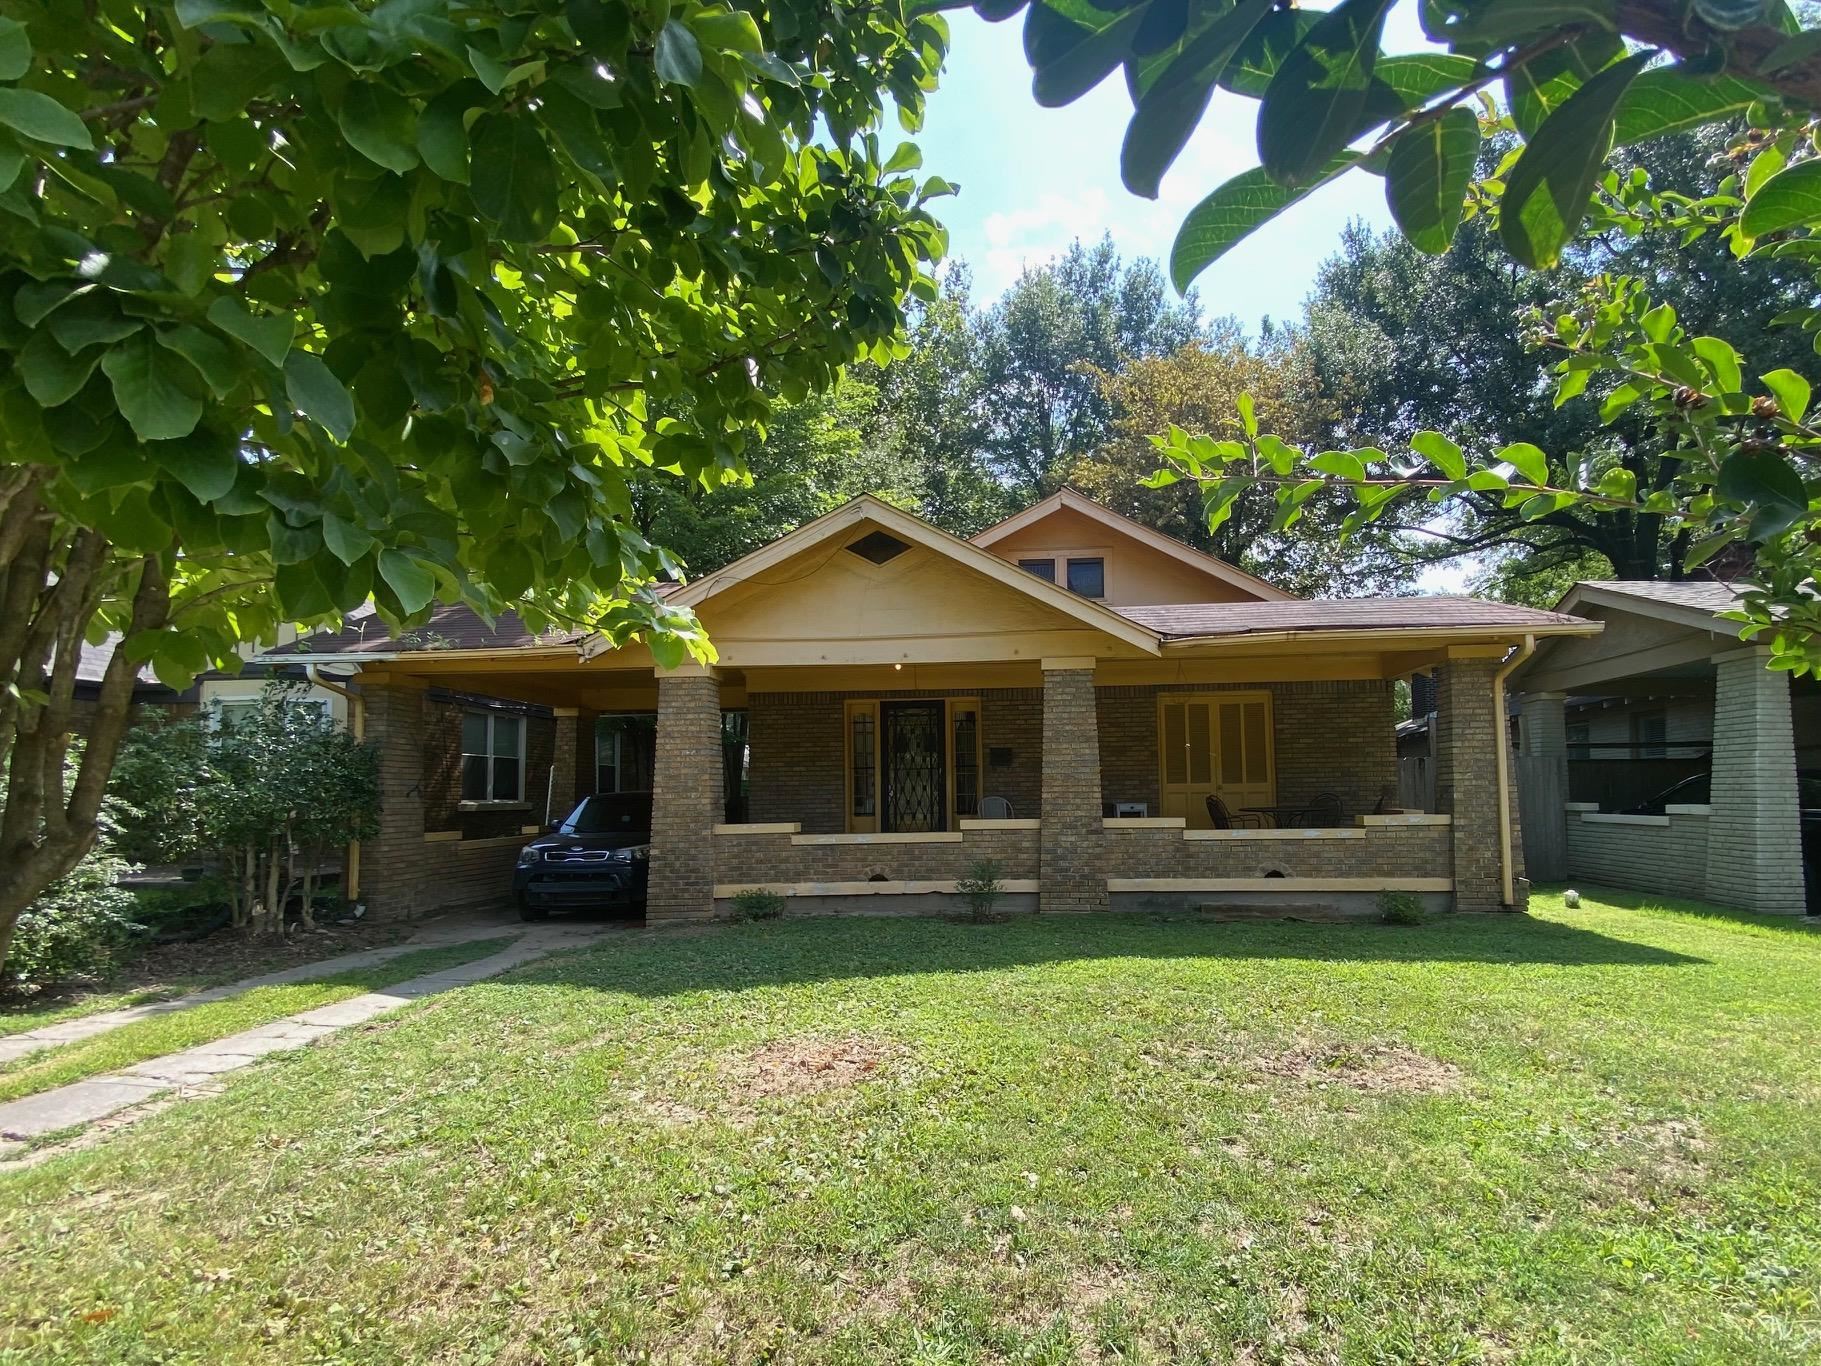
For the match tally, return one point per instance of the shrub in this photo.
(1400, 908)
(82, 927)
(982, 888)
(187, 910)
(757, 904)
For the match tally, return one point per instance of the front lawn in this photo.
(1589, 1135)
(157, 1035)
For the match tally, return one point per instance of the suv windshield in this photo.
(620, 813)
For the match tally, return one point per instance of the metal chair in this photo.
(1323, 809)
(994, 809)
(1225, 818)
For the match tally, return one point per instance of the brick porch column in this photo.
(686, 796)
(1073, 843)
(1466, 782)
(1754, 836)
(563, 752)
(396, 863)
(1543, 738)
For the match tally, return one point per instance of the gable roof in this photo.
(1137, 531)
(916, 531)
(1692, 602)
(449, 628)
(1194, 621)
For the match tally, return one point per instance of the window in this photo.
(1043, 569)
(1649, 731)
(625, 744)
(964, 723)
(1088, 578)
(862, 726)
(230, 712)
(493, 757)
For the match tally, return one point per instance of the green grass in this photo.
(24, 1018)
(1088, 1139)
(160, 1034)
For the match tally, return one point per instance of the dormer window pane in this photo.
(1043, 569)
(1088, 578)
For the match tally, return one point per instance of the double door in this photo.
(1217, 744)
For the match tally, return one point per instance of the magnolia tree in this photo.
(1566, 82)
(302, 305)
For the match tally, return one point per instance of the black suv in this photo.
(598, 857)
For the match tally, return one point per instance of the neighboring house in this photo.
(892, 704)
(1666, 695)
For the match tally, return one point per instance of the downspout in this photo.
(1501, 732)
(357, 725)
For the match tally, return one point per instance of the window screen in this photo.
(1088, 578)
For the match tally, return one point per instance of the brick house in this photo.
(1668, 711)
(1063, 695)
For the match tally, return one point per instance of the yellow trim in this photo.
(1144, 823)
(761, 828)
(1280, 884)
(1314, 833)
(861, 825)
(440, 836)
(860, 707)
(725, 890)
(1405, 818)
(1016, 823)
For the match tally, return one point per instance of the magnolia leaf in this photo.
(678, 56)
(268, 334)
(1790, 390)
(213, 358)
(379, 124)
(1325, 94)
(1234, 211)
(204, 462)
(519, 191)
(346, 541)
(1547, 192)
(1073, 45)
(1766, 483)
(408, 578)
(1167, 113)
(1439, 451)
(1426, 178)
(316, 393)
(52, 375)
(1722, 361)
(154, 387)
(1530, 462)
(15, 50)
(42, 119)
(1788, 199)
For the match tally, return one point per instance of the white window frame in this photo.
(462, 755)
(218, 707)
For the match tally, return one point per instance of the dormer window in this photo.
(878, 547)
(1043, 569)
(1088, 578)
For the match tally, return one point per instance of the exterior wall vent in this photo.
(878, 546)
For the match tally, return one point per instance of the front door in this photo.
(1218, 745)
(915, 769)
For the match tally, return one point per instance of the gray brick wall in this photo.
(1669, 859)
(1754, 848)
(1074, 837)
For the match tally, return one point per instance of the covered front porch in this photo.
(1258, 779)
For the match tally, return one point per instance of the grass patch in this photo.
(161, 1034)
(1584, 1135)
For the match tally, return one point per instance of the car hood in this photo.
(592, 843)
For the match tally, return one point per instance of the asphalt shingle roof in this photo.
(1339, 614)
(1703, 595)
(449, 628)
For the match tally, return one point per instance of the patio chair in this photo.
(1387, 803)
(1225, 818)
(1323, 809)
(994, 809)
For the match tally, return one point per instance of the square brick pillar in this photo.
(396, 864)
(563, 754)
(1543, 739)
(686, 796)
(1754, 836)
(1073, 872)
(1466, 783)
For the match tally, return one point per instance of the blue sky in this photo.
(1033, 180)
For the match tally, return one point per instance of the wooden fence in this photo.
(1542, 817)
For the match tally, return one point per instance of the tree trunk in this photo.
(50, 590)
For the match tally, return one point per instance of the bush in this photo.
(187, 910)
(1400, 908)
(82, 927)
(757, 904)
(982, 888)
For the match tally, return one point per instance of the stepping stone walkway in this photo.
(195, 1071)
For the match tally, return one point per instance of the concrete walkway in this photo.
(436, 934)
(194, 1071)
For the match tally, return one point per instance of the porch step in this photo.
(1275, 910)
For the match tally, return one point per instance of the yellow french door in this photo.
(1215, 745)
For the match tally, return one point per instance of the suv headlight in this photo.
(528, 856)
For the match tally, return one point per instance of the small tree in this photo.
(267, 796)
(981, 888)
